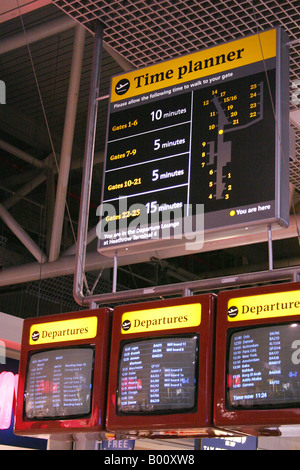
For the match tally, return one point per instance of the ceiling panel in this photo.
(145, 32)
(13, 8)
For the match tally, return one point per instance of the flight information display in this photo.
(264, 367)
(195, 147)
(59, 383)
(158, 375)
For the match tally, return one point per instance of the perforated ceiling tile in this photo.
(146, 32)
(150, 31)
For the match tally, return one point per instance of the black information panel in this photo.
(235, 160)
(206, 146)
(158, 375)
(159, 152)
(59, 383)
(264, 367)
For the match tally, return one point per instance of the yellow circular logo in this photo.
(232, 213)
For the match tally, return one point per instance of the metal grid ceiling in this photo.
(146, 32)
(150, 31)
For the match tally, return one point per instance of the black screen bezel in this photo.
(160, 412)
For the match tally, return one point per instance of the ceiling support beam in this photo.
(91, 236)
(52, 28)
(39, 179)
(49, 204)
(87, 173)
(25, 190)
(37, 33)
(94, 261)
(126, 66)
(22, 235)
(22, 155)
(10, 10)
(67, 143)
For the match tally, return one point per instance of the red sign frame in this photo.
(253, 422)
(198, 423)
(95, 422)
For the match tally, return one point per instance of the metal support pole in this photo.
(92, 305)
(24, 190)
(270, 248)
(115, 271)
(50, 203)
(186, 292)
(67, 143)
(88, 167)
(22, 155)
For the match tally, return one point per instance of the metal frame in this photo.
(67, 142)
(192, 287)
(185, 288)
(88, 166)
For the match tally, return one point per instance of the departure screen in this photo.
(264, 367)
(59, 383)
(158, 375)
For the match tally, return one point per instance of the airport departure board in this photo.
(193, 135)
(263, 367)
(158, 375)
(59, 383)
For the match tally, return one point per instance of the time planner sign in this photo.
(197, 146)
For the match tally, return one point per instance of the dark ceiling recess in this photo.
(137, 33)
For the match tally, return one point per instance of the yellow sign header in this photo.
(214, 60)
(279, 304)
(165, 318)
(65, 330)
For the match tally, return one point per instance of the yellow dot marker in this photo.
(232, 213)
(221, 131)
